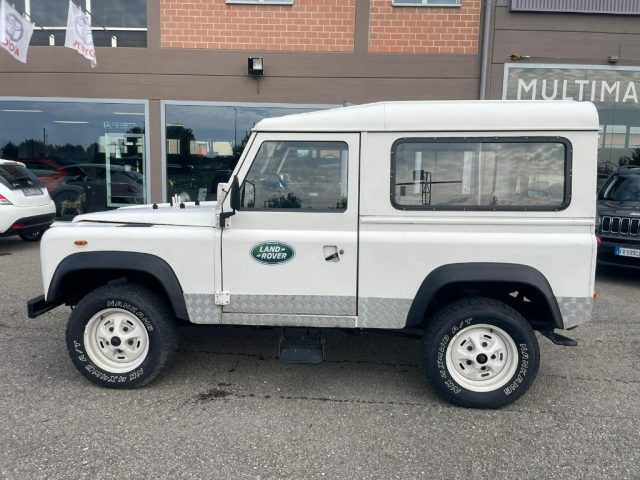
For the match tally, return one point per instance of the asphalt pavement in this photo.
(227, 408)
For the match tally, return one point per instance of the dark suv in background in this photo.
(618, 221)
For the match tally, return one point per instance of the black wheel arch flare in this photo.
(481, 273)
(145, 263)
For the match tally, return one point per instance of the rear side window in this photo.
(16, 176)
(481, 174)
(290, 175)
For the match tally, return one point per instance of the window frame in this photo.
(297, 210)
(568, 161)
(426, 3)
(259, 2)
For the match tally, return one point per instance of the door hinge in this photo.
(223, 298)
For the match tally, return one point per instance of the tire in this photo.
(32, 237)
(145, 328)
(498, 342)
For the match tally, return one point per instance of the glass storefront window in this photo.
(203, 143)
(91, 156)
(124, 19)
(613, 90)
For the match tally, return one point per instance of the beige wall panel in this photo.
(204, 62)
(241, 89)
(566, 47)
(505, 20)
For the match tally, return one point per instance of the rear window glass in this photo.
(622, 188)
(16, 176)
(480, 174)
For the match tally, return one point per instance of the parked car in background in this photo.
(48, 171)
(618, 222)
(86, 188)
(26, 209)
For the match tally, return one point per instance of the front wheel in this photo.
(121, 336)
(480, 353)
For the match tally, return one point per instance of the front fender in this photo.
(145, 263)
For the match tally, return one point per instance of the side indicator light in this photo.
(80, 242)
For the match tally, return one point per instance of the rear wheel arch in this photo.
(535, 299)
(80, 273)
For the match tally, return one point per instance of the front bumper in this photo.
(27, 225)
(608, 257)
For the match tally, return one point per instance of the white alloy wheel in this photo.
(116, 340)
(482, 358)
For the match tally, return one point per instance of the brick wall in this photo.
(424, 29)
(307, 25)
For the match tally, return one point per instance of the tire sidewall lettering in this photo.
(132, 309)
(83, 361)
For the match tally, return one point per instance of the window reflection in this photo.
(90, 156)
(204, 143)
(490, 175)
(114, 15)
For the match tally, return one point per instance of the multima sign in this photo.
(594, 83)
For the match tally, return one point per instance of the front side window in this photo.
(458, 174)
(297, 175)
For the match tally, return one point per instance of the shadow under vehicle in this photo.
(618, 219)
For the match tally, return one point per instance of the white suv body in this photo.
(383, 216)
(26, 209)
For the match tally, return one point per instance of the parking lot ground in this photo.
(227, 408)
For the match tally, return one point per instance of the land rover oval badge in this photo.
(272, 252)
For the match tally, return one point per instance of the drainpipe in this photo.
(488, 4)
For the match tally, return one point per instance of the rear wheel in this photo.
(121, 336)
(32, 237)
(480, 353)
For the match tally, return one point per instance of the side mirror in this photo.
(234, 200)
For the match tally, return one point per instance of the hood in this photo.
(192, 215)
(619, 209)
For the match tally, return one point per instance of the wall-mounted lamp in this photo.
(255, 66)
(515, 57)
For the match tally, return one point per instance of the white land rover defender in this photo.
(471, 222)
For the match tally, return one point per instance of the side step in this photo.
(301, 345)
(559, 339)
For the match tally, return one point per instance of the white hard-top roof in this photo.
(442, 116)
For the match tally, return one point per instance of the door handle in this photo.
(331, 254)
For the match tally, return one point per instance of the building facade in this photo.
(170, 102)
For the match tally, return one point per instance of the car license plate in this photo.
(30, 192)
(627, 252)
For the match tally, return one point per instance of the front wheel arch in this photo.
(80, 273)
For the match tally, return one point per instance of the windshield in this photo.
(621, 188)
(16, 176)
